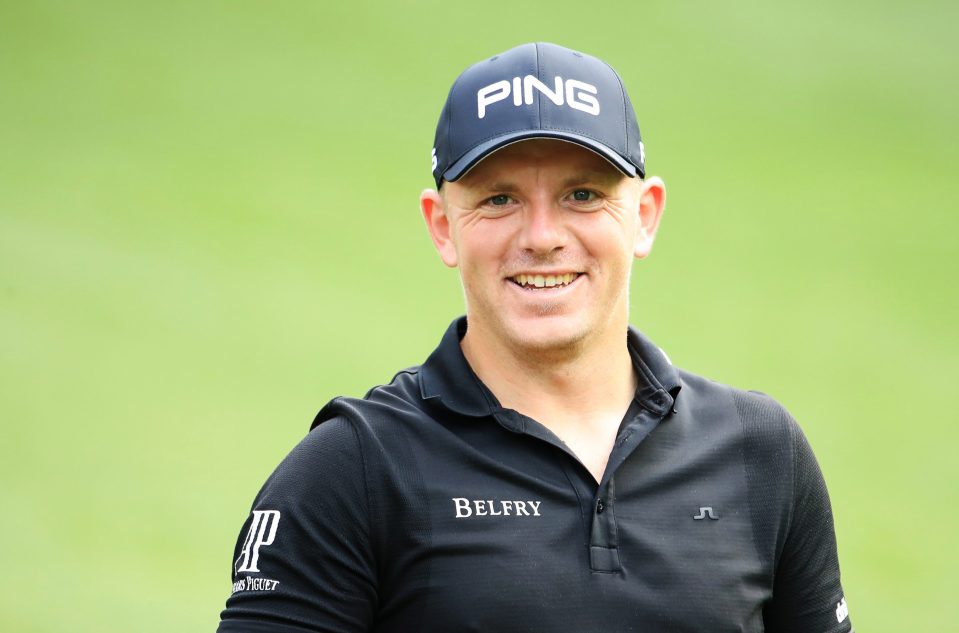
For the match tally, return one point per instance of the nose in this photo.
(543, 231)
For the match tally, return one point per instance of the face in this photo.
(544, 233)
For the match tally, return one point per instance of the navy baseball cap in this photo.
(537, 90)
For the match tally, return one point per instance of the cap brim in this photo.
(471, 158)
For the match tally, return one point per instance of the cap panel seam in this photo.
(449, 125)
(450, 103)
(539, 76)
(622, 92)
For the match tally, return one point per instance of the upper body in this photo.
(547, 468)
(429, 505)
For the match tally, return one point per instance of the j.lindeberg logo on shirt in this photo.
(466, 508)
(706, 513)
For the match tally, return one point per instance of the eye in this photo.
(499, 200)
(585, 200)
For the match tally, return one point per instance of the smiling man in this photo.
(547, 468)
(544, 233)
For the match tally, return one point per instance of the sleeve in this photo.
(303, 560)
(807, 594)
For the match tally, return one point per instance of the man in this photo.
(547, 468)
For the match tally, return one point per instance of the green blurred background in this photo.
(209, 227)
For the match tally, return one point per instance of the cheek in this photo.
(608, 240)
(476, 269)
(483, 246)
(469, 256)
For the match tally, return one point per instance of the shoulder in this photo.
(322, 457)
(772, 444)
(369, 433)
(382, 406)
(774, 452)
(760, 415)
(340, 434)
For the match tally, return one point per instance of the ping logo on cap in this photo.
(579, 95)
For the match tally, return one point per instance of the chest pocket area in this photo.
(687, 533)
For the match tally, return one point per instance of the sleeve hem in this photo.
(250, 626)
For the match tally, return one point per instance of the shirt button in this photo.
(600, 506)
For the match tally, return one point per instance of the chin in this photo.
(545, 333)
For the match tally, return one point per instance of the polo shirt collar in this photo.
(447, 376)
(659, 382)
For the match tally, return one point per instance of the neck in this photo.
(587, 381)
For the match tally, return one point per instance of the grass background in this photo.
(209, 227)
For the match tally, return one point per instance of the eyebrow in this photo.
(596, 176)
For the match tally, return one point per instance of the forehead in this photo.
(542, 158)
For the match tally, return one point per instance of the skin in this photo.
(557, 355)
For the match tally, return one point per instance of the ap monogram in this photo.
(262, 532)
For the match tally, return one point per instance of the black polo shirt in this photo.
(426, 506)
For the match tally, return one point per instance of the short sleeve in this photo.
(807, 593)
(303, 560)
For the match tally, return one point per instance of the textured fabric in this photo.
(428, 506)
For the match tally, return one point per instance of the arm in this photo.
(303, 560)
(807, 594)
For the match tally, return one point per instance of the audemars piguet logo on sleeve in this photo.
(261, 533)
(467, 508)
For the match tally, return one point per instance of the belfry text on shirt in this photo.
(466, 508)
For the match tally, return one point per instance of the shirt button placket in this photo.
(603, 551)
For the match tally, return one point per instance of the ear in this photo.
(438, 224)
(652, 201)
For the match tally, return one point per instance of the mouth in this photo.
(537, 282)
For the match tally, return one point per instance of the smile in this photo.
(544, 281)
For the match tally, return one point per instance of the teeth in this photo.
(545, 281)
